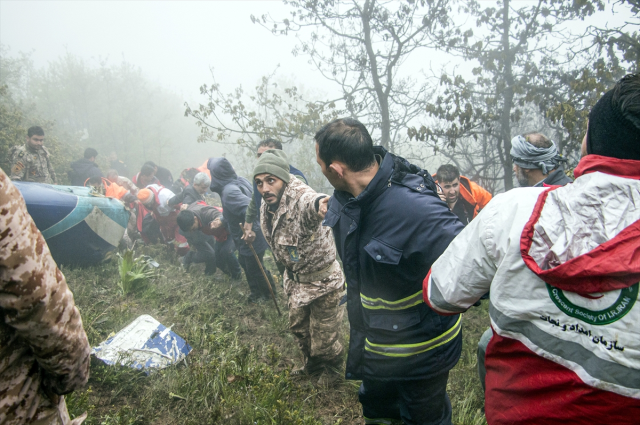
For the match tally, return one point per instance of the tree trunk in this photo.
(505, 119)
(383, 97)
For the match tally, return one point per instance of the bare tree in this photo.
(518, 51)
(270, 110)
(361, 47)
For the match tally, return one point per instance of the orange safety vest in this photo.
(471, 192)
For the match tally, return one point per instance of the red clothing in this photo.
(563, 266)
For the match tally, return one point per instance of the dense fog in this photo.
(437, 82)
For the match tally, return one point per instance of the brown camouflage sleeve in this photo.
(307, 205)
(35, 300)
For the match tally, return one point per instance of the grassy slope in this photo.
(238, 371)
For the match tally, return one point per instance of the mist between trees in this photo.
(498, 69)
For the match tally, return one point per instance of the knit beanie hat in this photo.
(610, 133)
(275, 162)
(145, 195)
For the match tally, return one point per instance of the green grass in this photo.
(238, 371)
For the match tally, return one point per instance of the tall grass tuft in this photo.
(134, 272)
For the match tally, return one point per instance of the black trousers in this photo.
(419, 402)
(226, 259)
(204, 254)
(255, 278)
(201, 250)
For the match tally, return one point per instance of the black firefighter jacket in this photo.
(388, 237)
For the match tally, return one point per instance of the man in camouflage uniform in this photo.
(313, 279)
(44, 352)
(31, 162)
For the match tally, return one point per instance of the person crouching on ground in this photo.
(155, 200)
(195, 224)
(209, 239)
(313, 279)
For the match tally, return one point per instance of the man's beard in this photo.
(272, 206)
(523, 181)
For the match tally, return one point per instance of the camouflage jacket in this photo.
(44, 351)
(300, 242)
(31, 165)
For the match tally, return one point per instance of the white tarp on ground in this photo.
(143, 344)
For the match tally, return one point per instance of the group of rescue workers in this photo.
(559, 263)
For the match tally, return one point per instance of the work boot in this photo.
(311, 368)
(299, 371)
(336, 364)
(329, 378)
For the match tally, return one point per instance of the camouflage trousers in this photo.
(46, 410)
(316, 327)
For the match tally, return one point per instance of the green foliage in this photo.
(271, 110)
(134, 272)
(530, 72)
(18, 112)
(80, 104)
(238, 371)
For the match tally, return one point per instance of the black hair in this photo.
(348, 141)
(189, 174)
(271, 143)
(538, 140)
(185, 220)
(36, 130)
(614, 121)
(626, 98)
(151, 163)
(95, 180)
(90, 153)
(147, 170)
(447, 173)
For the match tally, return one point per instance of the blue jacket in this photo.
(256, 195)
(235, 194)
(388, 237)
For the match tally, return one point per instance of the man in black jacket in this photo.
(390, 226)
(163, 175)
(235, 194)
(210, 243)
(195, 223)
(84, 168)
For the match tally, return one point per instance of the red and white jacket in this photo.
(563, 266)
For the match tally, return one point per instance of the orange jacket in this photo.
(112, 190)
(471, 192)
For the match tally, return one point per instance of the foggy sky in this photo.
(173, 42)
(176, 42)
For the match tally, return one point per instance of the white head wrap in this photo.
(526, 155)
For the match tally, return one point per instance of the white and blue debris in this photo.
(143, 344)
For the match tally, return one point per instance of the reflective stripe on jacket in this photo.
(387, 238)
